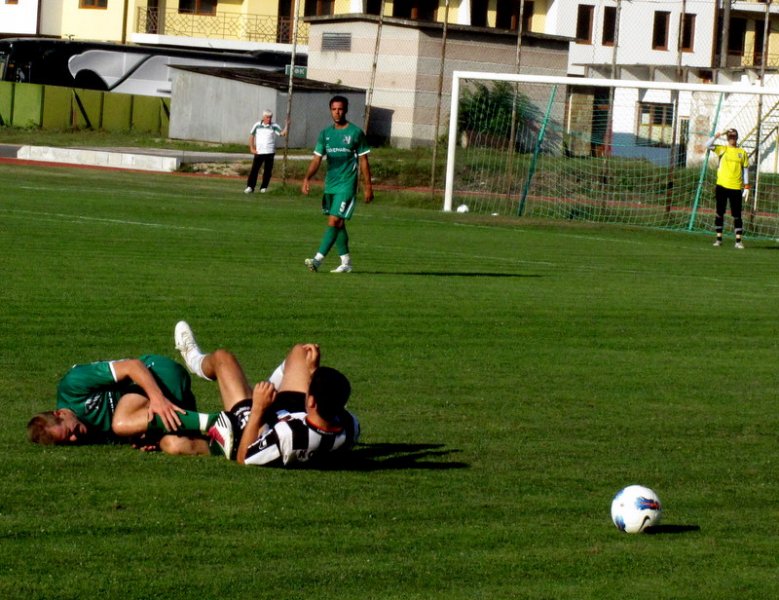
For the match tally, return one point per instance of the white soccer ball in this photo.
(463, 208)
(635, 508)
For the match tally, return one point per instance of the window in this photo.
(660, 30)
(655, 124)
(198, 7)
(736, 35)
(373, 7)
(584, 24)
(318, 8)
(507, 14)
(609, 25)
(527, 15)
(479, 13)
(418, 10)
(757, 52)
(93, 3)
(688, 33)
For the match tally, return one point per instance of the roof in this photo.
(466, 31)
(277, 81)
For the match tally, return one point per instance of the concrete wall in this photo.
(220, 110)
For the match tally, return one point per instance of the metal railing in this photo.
(224, 26)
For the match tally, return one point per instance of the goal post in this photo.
(604, 150)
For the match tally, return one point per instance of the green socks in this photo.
(342, 242)
(328, 239)
(191, 422)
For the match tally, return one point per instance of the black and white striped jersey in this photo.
(292, 439)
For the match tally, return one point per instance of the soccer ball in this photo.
(463, 208)
(635, 508)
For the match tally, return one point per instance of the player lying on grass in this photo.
(146, 400)
(298, 416)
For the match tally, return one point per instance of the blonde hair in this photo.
(38, 428)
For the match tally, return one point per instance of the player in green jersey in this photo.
(346, 149)
(148, 400)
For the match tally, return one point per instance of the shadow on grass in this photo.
(386, 456)
(666, 529)
(447, 274)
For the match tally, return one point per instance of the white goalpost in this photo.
(603, 150)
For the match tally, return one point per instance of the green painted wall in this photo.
(56, 108)
(52, 107)
(27, 105)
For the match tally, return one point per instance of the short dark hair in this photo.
(342, 99)
(331, 390)
(732, 132)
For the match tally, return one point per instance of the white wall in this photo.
(19, 18)
(635, 33)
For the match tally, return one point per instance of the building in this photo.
(409, 82)
(234, 25)
(19, 18)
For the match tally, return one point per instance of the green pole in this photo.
(536, 152)
(704, 168)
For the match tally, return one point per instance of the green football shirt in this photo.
(341, 147)
(92, 392)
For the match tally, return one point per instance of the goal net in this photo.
(610, 151)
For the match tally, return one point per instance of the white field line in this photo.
(61, 217)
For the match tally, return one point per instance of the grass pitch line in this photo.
(113, 192)
(60, 217)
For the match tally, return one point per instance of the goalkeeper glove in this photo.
(745, 194)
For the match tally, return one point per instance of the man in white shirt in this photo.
(262, 144)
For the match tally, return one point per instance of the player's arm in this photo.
(365, 169)
(710, 142)
(262, 397)
(135, 370)
(313, 167)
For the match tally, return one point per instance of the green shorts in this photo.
(173, 379)
(338, 205)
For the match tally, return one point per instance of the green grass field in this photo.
(510, 377)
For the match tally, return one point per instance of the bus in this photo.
(123, 68)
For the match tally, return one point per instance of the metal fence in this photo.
(226, 26)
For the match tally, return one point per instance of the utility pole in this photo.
(438, 99)
(764, 59)
(290, 88)
(723, 47)
(369, 103)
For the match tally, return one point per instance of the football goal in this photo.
(611, 151)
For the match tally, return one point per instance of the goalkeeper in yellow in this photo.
(732, 183)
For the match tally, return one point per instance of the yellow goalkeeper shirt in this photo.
(732, 162)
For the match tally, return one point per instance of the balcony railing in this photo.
(224, 26)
